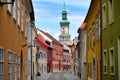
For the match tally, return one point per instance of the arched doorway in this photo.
(94, 67)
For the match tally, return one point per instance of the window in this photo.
(104, 15)
(111, 11)
(22, 21)
(105, 61)
(25, 65)
(14, 11)
(9, 65)
(112, 61)
(26, 28)
(18, 16)
(18, 68)
(9, 6)
(15, 66)
(1, 64)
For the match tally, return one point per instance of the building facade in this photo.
(48, 42)
(13, 41)
(66, 58)
(111, 39)
(34, 51)
(93, 41)
(42, 51)
(57, 53)
(82, 40)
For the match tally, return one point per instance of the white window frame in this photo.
(105, 61)
(18, 12)
(26, 28)
(111, 11)
(19, 66)
(25, 67)
(112, 63)
(14, 11)
(22, 21)
(15, 66)
(9, 7)
(2, 64)
(104, 16)
(9, 65)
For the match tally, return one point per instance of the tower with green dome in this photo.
(64, 36)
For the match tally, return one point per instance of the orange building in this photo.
(13, 39)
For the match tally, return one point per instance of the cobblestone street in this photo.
(58, 76)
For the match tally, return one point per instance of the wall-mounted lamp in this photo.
(2, 3)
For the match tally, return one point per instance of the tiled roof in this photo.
(51, 37)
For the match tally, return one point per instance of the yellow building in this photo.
(93, 40)
(13, 39)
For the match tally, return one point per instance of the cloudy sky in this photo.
(48, 15)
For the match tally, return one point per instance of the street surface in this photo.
(58, 76)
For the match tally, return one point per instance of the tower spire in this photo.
(64, 4)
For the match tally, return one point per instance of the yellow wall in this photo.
(94, 51)
(11, 38)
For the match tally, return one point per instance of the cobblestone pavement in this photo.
(58, 76)
(62, 76)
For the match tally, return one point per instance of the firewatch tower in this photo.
(64, 36)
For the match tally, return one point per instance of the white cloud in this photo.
(77, 3)
(56, 35)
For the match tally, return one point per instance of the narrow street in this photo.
(58, 76)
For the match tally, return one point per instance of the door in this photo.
(94, 74)
(118, 58)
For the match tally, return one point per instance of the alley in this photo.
(58, 76)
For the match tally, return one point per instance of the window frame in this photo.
(22, 21)
(105, 62)
(14, 11)
(18, 66)
(111, 12)
(18, 12)
(104, 23)
(8, 7)
(112, 63)
(10, 64)
(15, 66)
(2, 62)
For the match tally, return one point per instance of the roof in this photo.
(51, 37)
(64, 21)
(83, 26)
(64, 11)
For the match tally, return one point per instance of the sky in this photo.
(48, 14)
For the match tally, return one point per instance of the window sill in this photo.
(112, 74)
(14, 20)
(104, 27)
(105, 73)
(111, 21)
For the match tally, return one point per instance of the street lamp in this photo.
(2, 3)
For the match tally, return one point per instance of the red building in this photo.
(55, 56)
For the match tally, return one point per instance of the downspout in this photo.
(101, 68)
(31, 51)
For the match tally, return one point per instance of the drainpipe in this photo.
(101, 69)
(31, 51)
